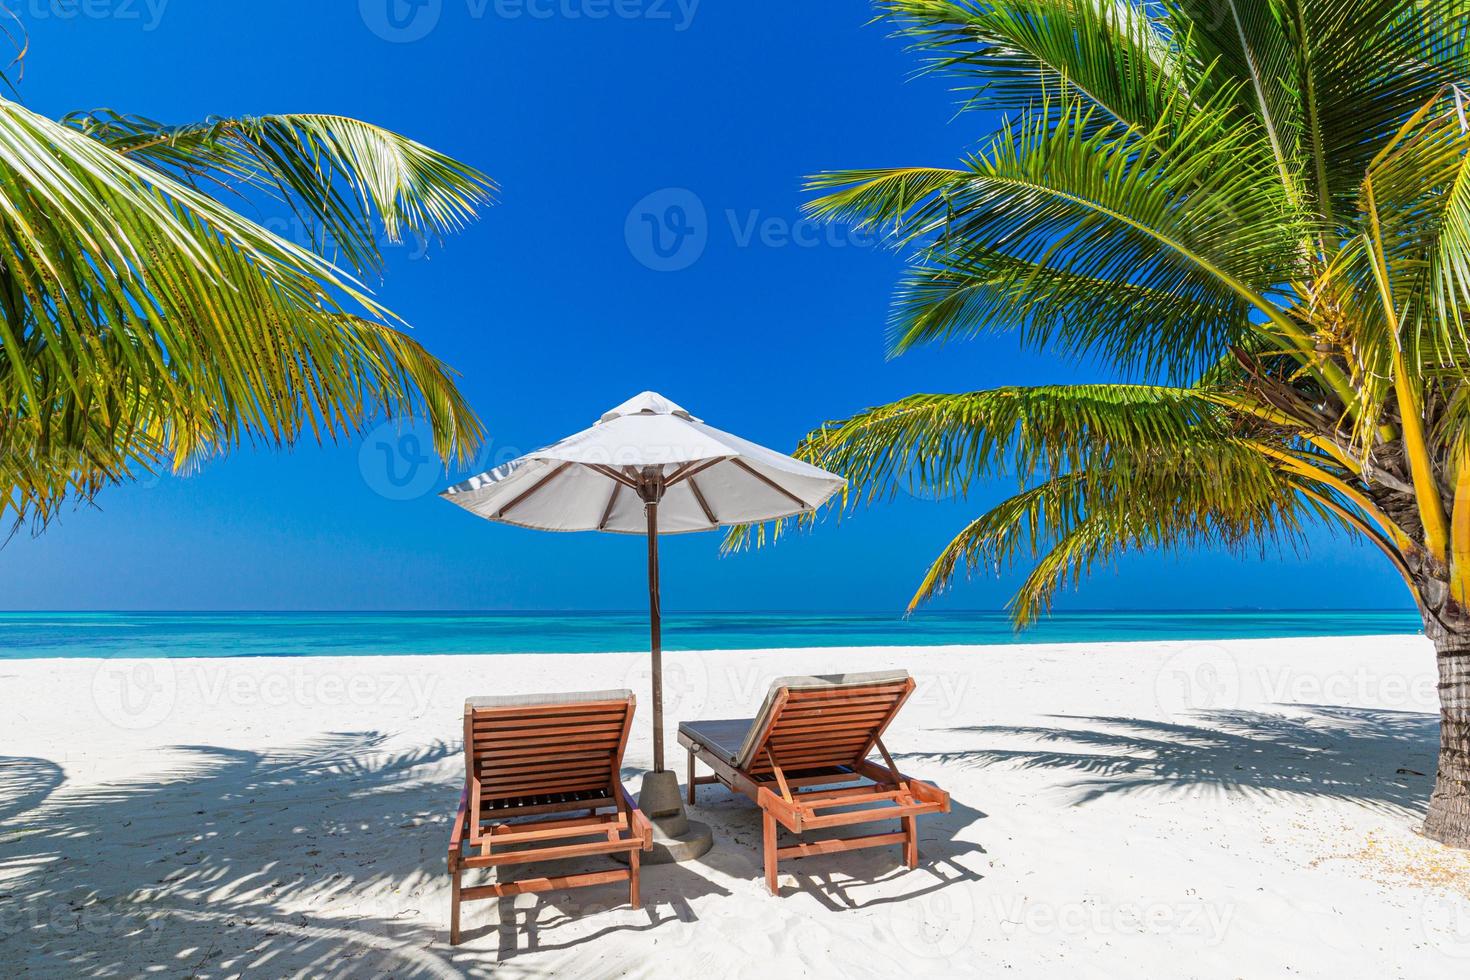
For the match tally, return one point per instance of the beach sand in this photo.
(1182, 809)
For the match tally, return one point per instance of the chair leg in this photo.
(634, 898)
(690, 782)
(768, 823)
(454, 908)
(911, 845)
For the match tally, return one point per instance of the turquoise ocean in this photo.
(271, 634)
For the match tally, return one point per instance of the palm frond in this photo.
(344, 178)
(133, 303)
(1061, 213)
(1006, 53)
(1150, 332)
(939, 444)
(1221, 494)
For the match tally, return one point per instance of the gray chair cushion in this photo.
(804, 682)
(722, 737)
(808, 682)
(532, 700)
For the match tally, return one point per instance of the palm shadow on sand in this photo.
(1380, 759)
(326, 857)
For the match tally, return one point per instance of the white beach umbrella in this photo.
(647, 467)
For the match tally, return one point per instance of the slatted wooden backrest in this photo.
(545, 749)
(816, 728)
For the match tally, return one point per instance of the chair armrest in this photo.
(789, 816)
(641, 826)
(927, 792)
(456, 832)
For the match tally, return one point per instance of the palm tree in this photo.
(1258, 214)
(146, 323)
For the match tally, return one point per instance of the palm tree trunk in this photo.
(1448, 820)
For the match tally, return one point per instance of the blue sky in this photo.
(559, 303)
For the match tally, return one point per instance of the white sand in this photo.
(1222, 809)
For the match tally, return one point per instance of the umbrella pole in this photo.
(655, 636)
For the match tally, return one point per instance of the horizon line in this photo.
(704, 612)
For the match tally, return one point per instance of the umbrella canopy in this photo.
(647, 467)
(601, 478)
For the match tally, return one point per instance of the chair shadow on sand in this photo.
(533, 923)
(1381, 759)
(325, 857)
(839, 881)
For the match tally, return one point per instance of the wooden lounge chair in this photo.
(538, 755)
(813, 732)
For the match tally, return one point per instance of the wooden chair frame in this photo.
(814, 738)
(538, 761)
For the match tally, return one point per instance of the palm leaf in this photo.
(133, 303)
(1056, 210)
(344, 178)
(1006, 53)
(939, 444)
(1218, 495)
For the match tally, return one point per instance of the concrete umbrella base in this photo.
(676, 838)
